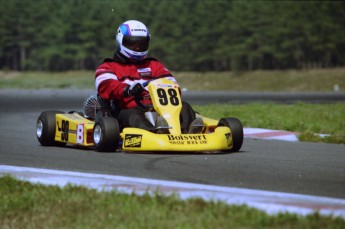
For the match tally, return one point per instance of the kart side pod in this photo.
(74, 129)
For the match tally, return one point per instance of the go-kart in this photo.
(96, 127)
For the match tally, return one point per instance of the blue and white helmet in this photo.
(133, 40)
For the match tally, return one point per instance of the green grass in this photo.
(39, 80)
(25, 205)
(318, 80)
(308, 120)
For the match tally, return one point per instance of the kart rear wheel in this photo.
(45, 128)
(236, 131)
(106, 134)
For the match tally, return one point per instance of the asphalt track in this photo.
(295, 167)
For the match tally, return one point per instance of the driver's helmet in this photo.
(133, 40)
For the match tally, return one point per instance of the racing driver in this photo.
(120, 78)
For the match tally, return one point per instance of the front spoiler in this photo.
(135, 139)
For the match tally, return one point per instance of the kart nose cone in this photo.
(39, 128)
(97, 134)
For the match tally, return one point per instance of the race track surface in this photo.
(306, 168)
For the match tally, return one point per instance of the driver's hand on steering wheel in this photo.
(133, 90)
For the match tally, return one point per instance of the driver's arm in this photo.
(160, 71)
(107, 84)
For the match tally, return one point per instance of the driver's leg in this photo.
(189, 123)
(134, 117)
(187, 117)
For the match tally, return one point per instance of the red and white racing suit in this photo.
(112, 77)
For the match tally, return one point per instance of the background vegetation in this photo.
(188, 35)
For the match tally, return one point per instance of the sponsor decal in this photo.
(144, 69)
(139, 30)
(133, 140)
(228, 139)
(144, 72)
(187, 139)
(160, 85)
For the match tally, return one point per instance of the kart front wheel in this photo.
(45, 128)
(236, 131)
(106, 134)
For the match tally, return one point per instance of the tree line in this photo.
(187, 35)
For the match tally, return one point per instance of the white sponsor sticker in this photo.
(141, 70)
(80, 134)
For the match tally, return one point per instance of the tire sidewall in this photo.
(236, 129)
(110, 134)
(48, 119)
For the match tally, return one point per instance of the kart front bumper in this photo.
(135, 139)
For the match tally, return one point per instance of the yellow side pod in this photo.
(74, 129)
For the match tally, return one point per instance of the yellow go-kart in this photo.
(99, 128)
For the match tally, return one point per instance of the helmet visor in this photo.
(136, 43)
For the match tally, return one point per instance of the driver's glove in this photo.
(133, 90)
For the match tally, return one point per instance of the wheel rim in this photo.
(97, 134)
(39, 128)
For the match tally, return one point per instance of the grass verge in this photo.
(317, 80)
(308, 120)
(26, 205)
(38, 80)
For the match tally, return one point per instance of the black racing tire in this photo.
(106, 134)
(236, 128)
(45, 128)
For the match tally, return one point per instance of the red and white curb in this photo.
(270, 202)
(259, 133)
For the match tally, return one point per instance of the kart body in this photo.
(103, 132)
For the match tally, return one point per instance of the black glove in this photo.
(133, 90)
